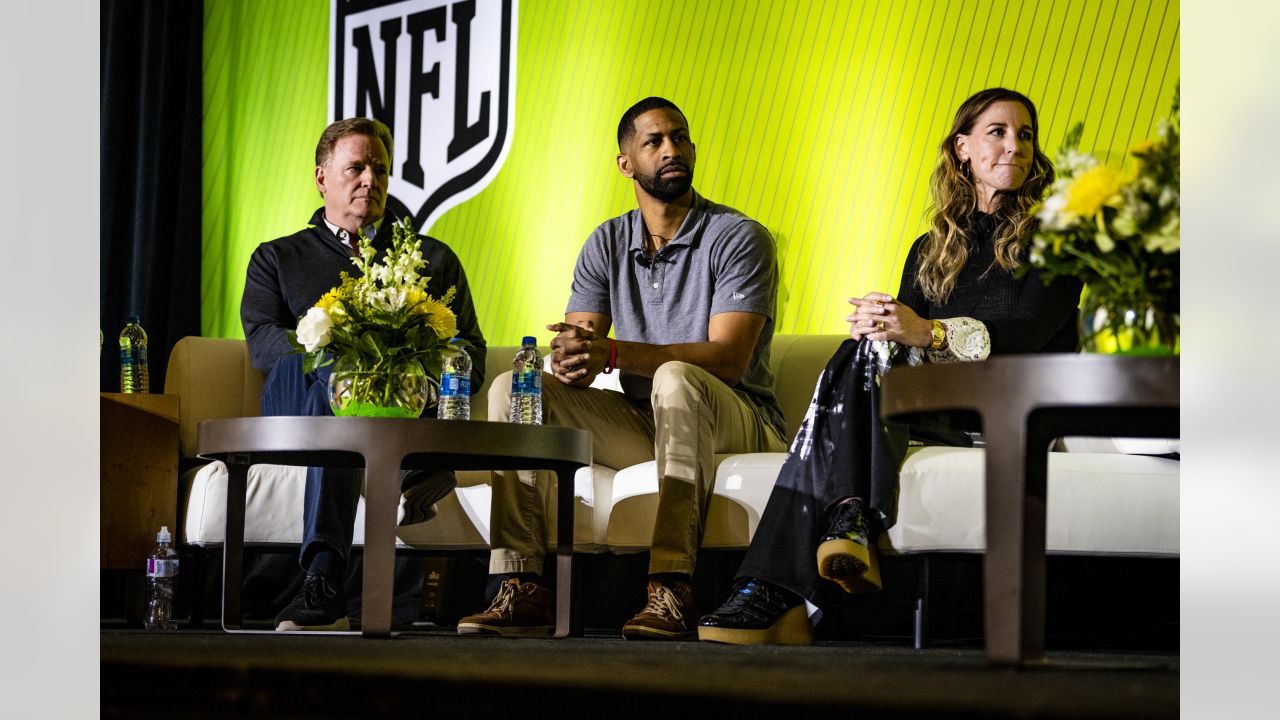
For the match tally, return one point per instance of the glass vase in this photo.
(399, 389)
(1128, 327)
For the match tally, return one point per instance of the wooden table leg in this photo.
(233, 545)
(1013, 566)
(381, 495)
(568, 622)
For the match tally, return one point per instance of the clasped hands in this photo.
(578, 354)
(878, 317)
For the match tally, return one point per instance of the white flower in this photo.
(1053, 214)
(1105, 243)
(1075, 163)
(313, 329)
(388, 299)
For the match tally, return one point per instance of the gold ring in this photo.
(880, 326)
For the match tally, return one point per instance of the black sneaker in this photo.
(758, 613)
(319, 605)
(846, 555)
(422, 490)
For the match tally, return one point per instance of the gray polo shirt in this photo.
(720, 261)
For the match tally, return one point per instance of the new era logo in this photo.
(737, 295)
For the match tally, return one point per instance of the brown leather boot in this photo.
(518, 610)
(668, 615)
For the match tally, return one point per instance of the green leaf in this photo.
(1071, 140)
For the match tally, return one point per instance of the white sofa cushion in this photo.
(275, 497)
(743, 484)
(1099, 504)
(1127, 446)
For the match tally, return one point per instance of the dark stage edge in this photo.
(210, 674)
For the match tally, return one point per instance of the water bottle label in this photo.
(162, 568)
(462, 385)
(448, 386)
(529, 382)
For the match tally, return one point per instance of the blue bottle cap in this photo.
(529, 340)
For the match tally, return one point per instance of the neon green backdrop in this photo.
(820, 119)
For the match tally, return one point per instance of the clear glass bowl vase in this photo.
(1128, 327)
(400, 389)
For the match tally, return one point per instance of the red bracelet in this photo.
(613, 357)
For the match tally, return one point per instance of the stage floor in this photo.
(440, 675)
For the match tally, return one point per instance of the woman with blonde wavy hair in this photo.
(960, 299)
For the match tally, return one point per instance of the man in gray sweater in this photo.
(284, 279)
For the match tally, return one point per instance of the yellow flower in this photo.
(438, 317)
(329, 299)
(331, 303)
(414, 299)
(1142, 148)
(1094, 188)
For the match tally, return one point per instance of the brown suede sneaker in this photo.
(669, 614)
(518, 610)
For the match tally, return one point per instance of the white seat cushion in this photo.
(1099, 504)
(1127, 446)
(273, 512)
(743, 484)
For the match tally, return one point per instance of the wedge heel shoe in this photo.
(849, 564)
(792, 628)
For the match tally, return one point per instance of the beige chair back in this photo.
(215, 380)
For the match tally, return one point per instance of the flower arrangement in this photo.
(1119, 231)
(383, 328)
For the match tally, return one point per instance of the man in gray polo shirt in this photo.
(689, 288)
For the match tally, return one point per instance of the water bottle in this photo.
(133, 358)
(455, 382)
(526, 384)
(162, 568)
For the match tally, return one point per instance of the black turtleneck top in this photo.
(1022, 314)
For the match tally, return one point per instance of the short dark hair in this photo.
(627, 125)
(351, 126)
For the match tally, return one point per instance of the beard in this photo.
(663, 189)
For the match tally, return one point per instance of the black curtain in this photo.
(150, 163)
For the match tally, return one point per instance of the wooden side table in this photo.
(382, 446)
(1022, 403)
(139, 475)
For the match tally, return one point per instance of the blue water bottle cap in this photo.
(529, 340)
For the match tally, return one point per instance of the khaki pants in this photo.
(694, 415)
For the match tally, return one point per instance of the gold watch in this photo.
(939, 336)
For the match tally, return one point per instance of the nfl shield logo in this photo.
(441, 75)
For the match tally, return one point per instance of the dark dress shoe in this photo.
(758, 613)
(846, 554)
